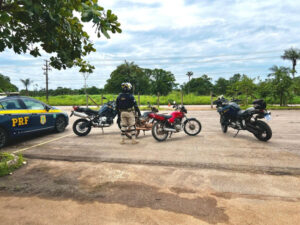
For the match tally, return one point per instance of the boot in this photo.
(122, 141)
(134, 141)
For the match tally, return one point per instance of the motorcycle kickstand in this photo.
(236, 133)
(144, 132)
(102, 130)
(170, 134)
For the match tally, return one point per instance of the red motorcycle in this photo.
(166, 125)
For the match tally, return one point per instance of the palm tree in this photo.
(293, 55)
(189, 74)
(26, 83)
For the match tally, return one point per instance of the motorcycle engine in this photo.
(177, 125)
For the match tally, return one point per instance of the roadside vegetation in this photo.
(158, 86)
(9, 163)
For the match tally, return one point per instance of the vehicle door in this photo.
(41, 118)
(16, 117)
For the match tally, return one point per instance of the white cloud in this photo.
(178, 28)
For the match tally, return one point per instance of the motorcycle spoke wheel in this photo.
(192, 127)
(158, 132)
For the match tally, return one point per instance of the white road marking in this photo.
(24, 149)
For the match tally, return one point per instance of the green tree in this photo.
(6, 85)
(161, 81)
(54, 26)
(246, 86)
(232, 88)
(297, 85)
(128, 72)
(281, 84)
(26, 83)
(201, 85)
(221, 86)
(293, 55)
(264, 88)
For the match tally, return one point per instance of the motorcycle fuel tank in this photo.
(230, 110)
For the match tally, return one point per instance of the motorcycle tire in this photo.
(267, 132)
(224, 128)
(155, 134)
(78, 131)
(197, 131)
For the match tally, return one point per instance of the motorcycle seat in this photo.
(165, 116)
(245, 112)
(88, 111)
(241, 112)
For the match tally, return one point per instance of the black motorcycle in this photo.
(232, 116)
(91, 118)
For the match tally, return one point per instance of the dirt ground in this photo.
(213, 178)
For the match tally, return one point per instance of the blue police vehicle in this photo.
(21, 115)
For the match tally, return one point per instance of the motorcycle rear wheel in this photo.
(267, 132)
(82, 127)
(158, 133)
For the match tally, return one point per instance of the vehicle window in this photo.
(31, 104)
(10, 104)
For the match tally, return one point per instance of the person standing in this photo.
(127, 106)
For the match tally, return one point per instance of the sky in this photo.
(214, 37)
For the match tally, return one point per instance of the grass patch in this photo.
(190, 99)
(5, 168)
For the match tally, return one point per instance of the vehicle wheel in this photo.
(224, 128)
(3, 137)
(224, 124)
(266, 133)
(192, 127)
(158, 133)
(82, 127)
(60, 124)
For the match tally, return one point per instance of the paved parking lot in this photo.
(213, 178)
(210, 149)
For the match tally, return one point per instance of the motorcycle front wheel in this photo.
(266, 132)
(224, 128)
(82, 127)
(224, 125)
(158, 132)
(192, 127)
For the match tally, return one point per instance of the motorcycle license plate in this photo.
(268, 117)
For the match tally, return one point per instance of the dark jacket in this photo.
(126, 101)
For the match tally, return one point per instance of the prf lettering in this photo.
(21, 121)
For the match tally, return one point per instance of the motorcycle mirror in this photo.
(239, 93)
(104, 97)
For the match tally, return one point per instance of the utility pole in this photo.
(46, 68)
(85, 77)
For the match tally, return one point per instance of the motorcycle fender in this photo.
(187, 120)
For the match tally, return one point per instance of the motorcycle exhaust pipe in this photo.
(170, 130)
(80, 114)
